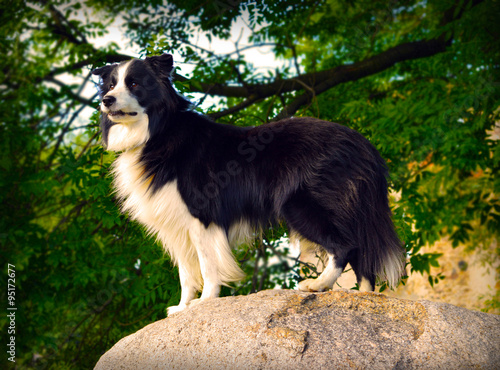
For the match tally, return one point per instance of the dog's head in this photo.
(136, 95)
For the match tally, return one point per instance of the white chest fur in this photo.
(127, 135)
(164, 213)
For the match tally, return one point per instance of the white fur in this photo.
(202, 253)
(128, 135)
(241, 232)
(217, 263)
(325, 281)
(308, 247)
(393, 270)
(365, 285)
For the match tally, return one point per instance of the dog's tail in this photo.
(390, 266)
(382, 252)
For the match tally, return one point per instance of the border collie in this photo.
(200, 186)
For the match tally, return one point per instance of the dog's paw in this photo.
(312, 285)
(194, 302)
(197, 301)
(174, 309)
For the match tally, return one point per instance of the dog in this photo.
(201, 186)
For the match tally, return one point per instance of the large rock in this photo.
(279, 329)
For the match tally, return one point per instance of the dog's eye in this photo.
(111, 87)
(133, 85)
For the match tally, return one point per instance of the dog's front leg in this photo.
(188, 289)
(205, 241)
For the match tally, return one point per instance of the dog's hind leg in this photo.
(365, 279)
(327, 278)
(312, 224)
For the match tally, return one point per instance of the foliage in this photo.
(419, 79)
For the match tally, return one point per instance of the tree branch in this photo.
(321, 81)
(367, 67)
(317, 82)
(236, 108)
(345, 73)
(62, 26)
(380, 62)
(75, 96)
(107, 58)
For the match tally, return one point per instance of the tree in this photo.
(419, 79)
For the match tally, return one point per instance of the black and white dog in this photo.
(200, 186)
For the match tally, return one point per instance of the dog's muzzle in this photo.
(108, 101)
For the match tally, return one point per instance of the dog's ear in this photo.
(163, 64)
(103, 72)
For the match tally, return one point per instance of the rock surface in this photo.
(278, 329)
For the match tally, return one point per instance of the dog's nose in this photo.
(108, 101)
